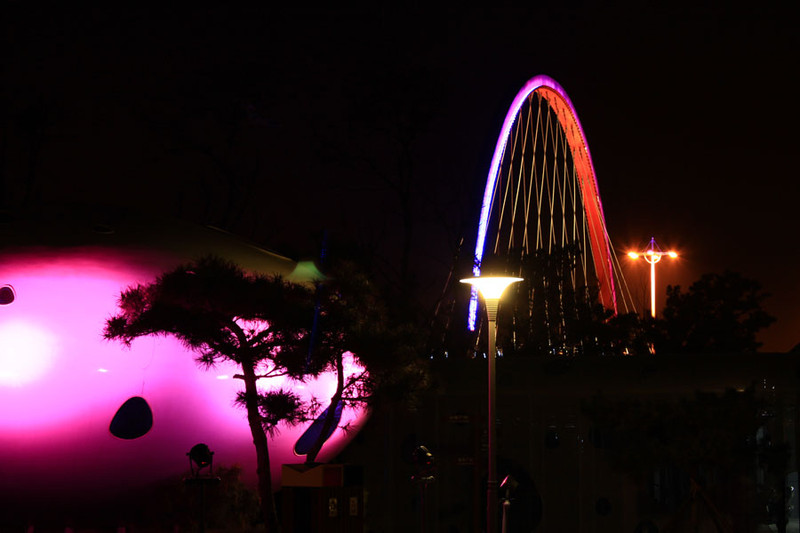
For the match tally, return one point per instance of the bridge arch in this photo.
(556, 97)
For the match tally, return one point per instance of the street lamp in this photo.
(491, 288)
(652, 254)
(200, 457)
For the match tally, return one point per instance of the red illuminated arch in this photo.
(560, 103)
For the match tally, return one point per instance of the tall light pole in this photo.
(652, 254)
(491, 288)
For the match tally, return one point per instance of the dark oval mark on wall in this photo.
(132, 420)
(7, 294)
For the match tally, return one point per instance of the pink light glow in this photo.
(568, 118)
(61, 383)
(26, 352)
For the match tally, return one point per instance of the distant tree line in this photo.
(555, 311)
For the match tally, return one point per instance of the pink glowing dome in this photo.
(61, 383)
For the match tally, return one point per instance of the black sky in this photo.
(689, 111)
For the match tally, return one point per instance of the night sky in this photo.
(279, 123)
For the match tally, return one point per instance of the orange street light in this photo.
(652, 254)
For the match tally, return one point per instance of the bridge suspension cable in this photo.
(542, 217)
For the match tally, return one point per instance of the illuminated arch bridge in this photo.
(542, 219)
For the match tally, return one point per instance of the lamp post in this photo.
(652, 254)
(200, 457)
(491, 288)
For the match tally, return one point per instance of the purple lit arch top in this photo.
(558, 100)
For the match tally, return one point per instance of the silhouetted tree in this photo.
(265, 325)
(224, 314)
(353, 318)
(719, 313)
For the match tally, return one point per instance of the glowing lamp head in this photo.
(673, 255)
(633, 255)
(491, 287)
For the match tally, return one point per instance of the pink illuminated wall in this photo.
(61, 383)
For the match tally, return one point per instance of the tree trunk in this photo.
(263, 470)
(330, 416)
